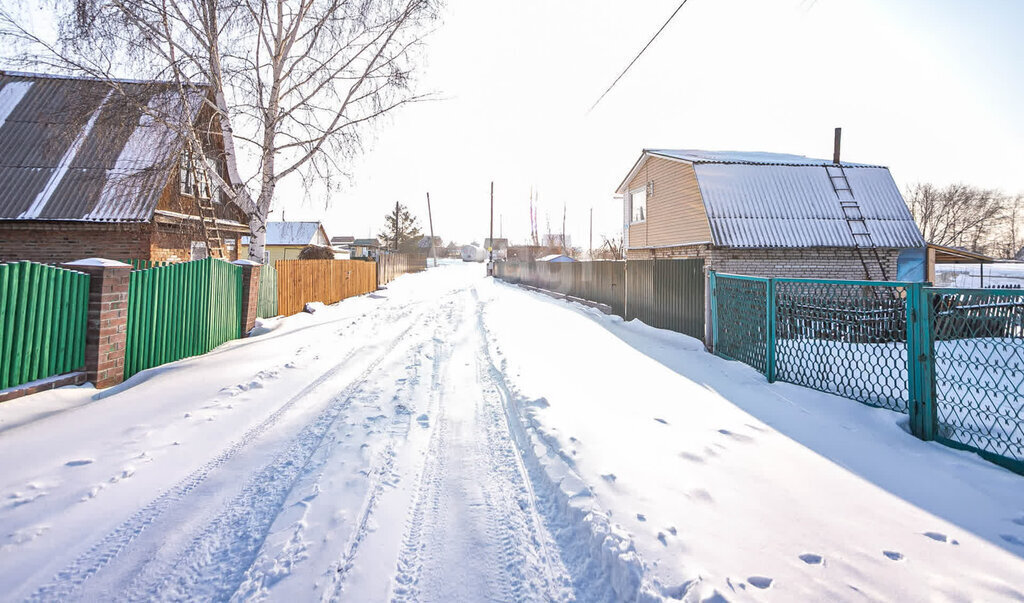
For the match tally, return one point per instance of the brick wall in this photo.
(824, 263)
(174, 244)
(58, 242)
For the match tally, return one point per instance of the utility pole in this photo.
(591, 233)
(398, 223)
(433, 241)
(563, 227)
(490, 247)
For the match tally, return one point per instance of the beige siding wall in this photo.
(822, 263)
(675, 212)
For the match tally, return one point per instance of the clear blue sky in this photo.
(932, 89)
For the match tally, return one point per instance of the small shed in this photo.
(364, 248)
(767, 214)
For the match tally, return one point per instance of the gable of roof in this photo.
(294, 233)
(773, 200)
(84, 150)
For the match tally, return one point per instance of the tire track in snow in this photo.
(341, 570)
(72, 578)
(471, 469)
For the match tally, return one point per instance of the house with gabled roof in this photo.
(96, 168)
(768, 214)
(286, 240)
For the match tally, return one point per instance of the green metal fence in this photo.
(43, 313)
(181, 310)
(952, 359)
(977, 376)
(266, 304)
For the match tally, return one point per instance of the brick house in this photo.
(768, 214)
(94, 169)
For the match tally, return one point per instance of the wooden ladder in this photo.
(862, 239)
(208, 218)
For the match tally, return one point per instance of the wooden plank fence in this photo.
(328, 281)
(393, 265)
(181, 310)
(43, 311)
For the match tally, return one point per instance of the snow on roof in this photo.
(555, 257)
(756, 205)
(291, 233)
(74, 149)
(747, 157)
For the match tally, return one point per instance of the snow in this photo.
(98, 262)
(457, 438)
(969, 276)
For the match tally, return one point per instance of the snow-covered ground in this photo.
(967, 276)
(453, 438)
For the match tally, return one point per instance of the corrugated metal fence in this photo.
(328, 281)
(667, 294)
(181, 310)
(949, 358)
(42, 321)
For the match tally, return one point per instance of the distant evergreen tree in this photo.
(401, 230)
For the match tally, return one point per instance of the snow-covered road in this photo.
(456, 439)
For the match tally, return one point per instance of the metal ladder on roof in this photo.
(862, 239)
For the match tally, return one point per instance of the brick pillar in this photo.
(107, 324)
(250, 293)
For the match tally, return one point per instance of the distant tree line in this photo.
(977, 219)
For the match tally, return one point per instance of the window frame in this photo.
(632, 212)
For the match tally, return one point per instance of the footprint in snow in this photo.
(641, 517)
(662, 539)
(423, 420)
(811, 559)
(662, 421)
(78, 462)
(739, 437)
(608, 477)
(893, 555)
(1012, 539)
(761, 582)
(693, 458)
(1019, 521)
(936, 536)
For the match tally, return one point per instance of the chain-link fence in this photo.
(953, 359)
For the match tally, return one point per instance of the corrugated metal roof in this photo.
(291, 233)
(746, 157)
(776, 205)
(73, 149)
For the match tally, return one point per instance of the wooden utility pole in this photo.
(563, 228)
(398, 223)
(433, 241)
(490, 252)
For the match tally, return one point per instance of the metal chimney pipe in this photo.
(835, 152)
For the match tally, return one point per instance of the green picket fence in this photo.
(952, 359)
(181, 310)
(43, 313)
(266, 304)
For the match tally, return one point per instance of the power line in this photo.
(642, 50)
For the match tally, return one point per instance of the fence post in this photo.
(107, 324)
(250, 294)
(920, 364)
(713, 302)
(769, 340)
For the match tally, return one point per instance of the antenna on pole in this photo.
(490, 242)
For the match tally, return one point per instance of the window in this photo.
(192, 179)
(638, 205)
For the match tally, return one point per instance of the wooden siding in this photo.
(675, 212)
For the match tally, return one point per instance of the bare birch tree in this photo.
(294, 82)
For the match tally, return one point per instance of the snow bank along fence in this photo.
(43, 313)
(667, 294)
(952, 359)
(393, 265)
(181, 310)
(328, 281)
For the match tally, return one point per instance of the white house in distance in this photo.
(285, 240)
